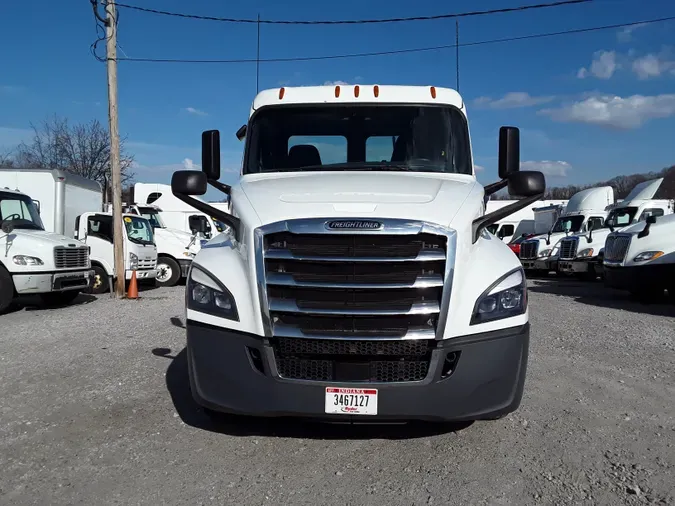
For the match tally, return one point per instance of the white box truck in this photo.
(358, 281)
(581, 254)
(34, 261)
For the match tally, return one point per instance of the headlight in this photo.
(544, 253)
(26, 260)
(585, 253)
(207, 295)
(133, 261)
(642, 257)
(188, 254)
(505, 298)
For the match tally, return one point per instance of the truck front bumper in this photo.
(539, 264)
(649, 278)
(46, 282)
(143, 274)
(487, 382)
(578, 266)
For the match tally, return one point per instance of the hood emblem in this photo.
(353, 225)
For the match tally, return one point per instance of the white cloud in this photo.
(188, 164)
(335, 83)
(194, 111)
(512, 100)
(550, 168)
(626, 34)
(479, 168)
(603, 66)
(614, 111)
(654, 65)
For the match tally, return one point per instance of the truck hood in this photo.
(434, 198)
(40, 236)
(35, 243)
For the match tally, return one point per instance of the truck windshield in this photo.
(570, 224)
(389, 137)
(20, 211)
(152, 215)
(621, 217)
(139, 230)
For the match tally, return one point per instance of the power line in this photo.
(356, 21)
(401, 51)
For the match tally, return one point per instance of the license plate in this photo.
(351, 401)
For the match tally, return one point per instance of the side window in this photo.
(316, 150)
(152, 197)
(507, 230)
(100, 226)
(655, 211)
(596, 221)
(13, 209)
(380, 148)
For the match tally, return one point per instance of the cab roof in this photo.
(358, 94)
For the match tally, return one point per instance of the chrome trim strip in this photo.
(390, 226)
(290, 306)
(423, 256)
(285, 279)
(283, 330)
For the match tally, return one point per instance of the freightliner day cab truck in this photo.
(34, 261)
(641, 257)
(585, 209)
(582, 253)
(358, 281)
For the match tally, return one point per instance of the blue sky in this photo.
(590, 106)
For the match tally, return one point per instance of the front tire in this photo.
(59, 298)
(101, 283)
(6, 289)
(169, 271)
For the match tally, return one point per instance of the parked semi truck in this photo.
(582, 253)
(358, 281)
(588, 207)
(520, 223)
(175, 248)
(641, 257)
(34, 261)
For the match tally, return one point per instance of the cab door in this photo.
(96, 230)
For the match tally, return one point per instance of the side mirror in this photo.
(7, 226)
(188, 182)
(525, 183)
(501, 233)
(509, 151)
(37, 205)
(590, 231)
(211, 154)
(651, 219)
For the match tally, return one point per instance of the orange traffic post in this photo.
(132, 293)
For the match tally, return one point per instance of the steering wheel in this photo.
(12, 217)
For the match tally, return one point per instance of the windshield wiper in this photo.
(139, 241)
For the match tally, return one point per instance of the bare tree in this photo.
(82, 149)
(6, 159)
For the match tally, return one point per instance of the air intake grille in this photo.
(71, 258)
(568, 248)
(529, 249)
(616, 247)
(340, 303)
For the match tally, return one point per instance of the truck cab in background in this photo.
(586, 209)
(95, 229)
(641, 258)
(175, 248)
(34, 261)
(582, 253)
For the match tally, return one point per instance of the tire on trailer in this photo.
(6, 289)
(101, 282)
(169, 271)
(59, 298)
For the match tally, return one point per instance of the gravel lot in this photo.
(95, 409)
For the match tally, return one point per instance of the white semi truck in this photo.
(586, 208)
(175, 248)
(582, 253)
(520, 223)
(34, 261)
(641, 257)
(358, 281)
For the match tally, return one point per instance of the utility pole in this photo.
(118, 231)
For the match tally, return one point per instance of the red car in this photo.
(515, 244)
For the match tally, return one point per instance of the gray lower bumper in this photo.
(46, 282)
(487, 381)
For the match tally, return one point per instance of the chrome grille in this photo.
(145, 263)
(529, 249)
(346, 299)
(616, 247)
(75, 257)
(568, 248)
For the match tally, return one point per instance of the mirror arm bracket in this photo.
(228, 219)
(495, 187)
(226, 189)
(479, 224)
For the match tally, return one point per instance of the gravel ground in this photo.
(95, 409)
